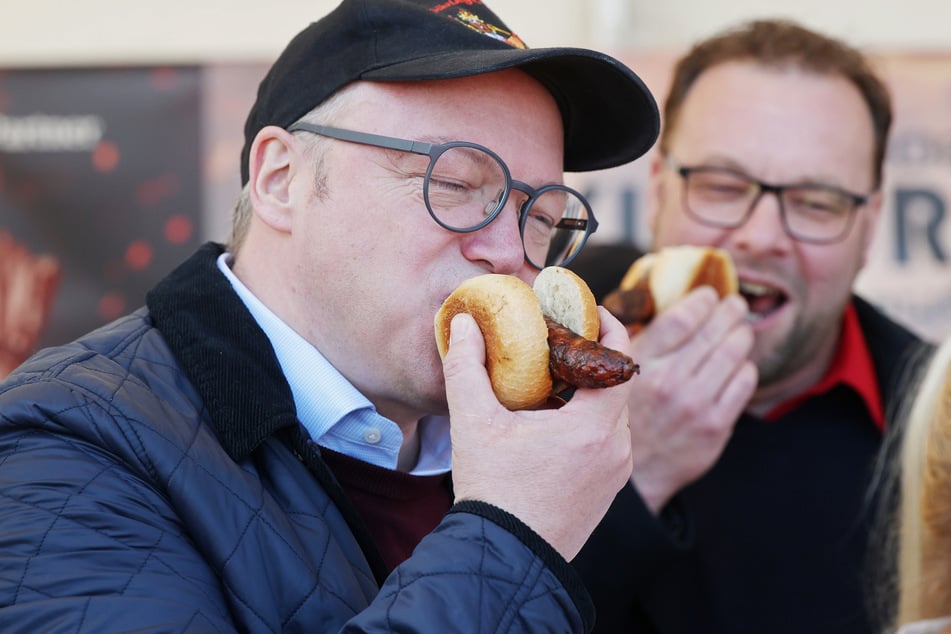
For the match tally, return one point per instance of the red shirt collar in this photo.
(851, 366)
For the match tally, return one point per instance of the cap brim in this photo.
(610, 115)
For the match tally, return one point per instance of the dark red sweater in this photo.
(398, 508)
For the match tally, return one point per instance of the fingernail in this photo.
(458, 329)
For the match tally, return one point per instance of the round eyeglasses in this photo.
(725, 198)
(466, 186)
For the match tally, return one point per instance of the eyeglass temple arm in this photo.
(365, 138)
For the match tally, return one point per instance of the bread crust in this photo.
(511, 315)
(637, 273)
(516, 336)
(672, 272)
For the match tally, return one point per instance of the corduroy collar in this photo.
(224, 353)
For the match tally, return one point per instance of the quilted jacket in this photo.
(154, 478)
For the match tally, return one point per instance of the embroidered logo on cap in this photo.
(477, 24)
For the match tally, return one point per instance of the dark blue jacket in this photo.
(154, 478)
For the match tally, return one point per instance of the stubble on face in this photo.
(781, 126)
(781, 355)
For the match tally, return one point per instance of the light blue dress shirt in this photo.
(336, 415)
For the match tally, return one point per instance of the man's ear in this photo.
(654, 189)
(274, 155)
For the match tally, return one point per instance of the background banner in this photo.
(100, 193)
(111, 176)
(908, 273)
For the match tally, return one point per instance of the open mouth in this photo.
(762, 300)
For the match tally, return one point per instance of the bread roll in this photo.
(656, 280)
(512, 317)
(566, 298)
(674, 271)
(516, 337)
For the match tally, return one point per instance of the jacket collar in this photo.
(897, 354)
(223, 352)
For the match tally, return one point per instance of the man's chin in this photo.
(779, 356)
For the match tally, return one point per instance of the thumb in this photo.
(464, 363)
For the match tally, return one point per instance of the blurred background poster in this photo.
(100, 178)
(909, 272)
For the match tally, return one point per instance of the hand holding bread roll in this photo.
(698, 376)
(537, 339)
(656, 280)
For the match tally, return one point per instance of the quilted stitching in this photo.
(123, 509)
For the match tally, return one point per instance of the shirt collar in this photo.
(331, 409)
(852, 367)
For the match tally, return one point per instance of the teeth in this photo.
(761, 299)
(750, 288)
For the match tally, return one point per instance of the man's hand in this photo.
(695, 381)
(28, 285)
(558, 470)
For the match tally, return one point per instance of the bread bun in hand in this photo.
(537, 339)
(656, 280)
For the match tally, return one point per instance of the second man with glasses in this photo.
(751, 512)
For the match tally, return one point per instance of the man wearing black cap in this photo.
(265, 445)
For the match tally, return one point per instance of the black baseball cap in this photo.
(610, 116)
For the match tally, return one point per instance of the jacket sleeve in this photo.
(481, 570)
(98, 533)
(87, 546)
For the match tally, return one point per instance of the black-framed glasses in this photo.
(725, 198)
(466, 186)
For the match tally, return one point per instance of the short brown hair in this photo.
(779, 44)
(321, 114)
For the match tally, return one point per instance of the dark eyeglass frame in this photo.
(856, 200)
(435, 150)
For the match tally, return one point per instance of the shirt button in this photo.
(372, 436)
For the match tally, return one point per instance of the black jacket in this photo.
(774, 538)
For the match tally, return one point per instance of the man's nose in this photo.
(763, 229)
(499, 244)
